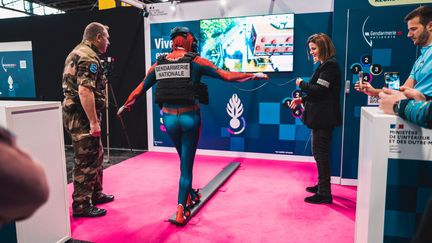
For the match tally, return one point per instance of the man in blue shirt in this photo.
(419, 23)
(415, 107)
(413, 101)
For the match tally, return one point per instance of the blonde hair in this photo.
(93, 29)
(324, 44)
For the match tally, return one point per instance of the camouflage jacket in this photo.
(83, 67)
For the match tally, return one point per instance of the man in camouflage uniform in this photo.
(84, 91)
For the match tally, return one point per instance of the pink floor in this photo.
(261, 202)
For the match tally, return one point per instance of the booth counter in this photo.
(39, 130)
(394, 177)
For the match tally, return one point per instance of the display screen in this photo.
(249, 44)
(16, 70)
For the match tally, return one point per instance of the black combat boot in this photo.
(90, 212)
(102, 198)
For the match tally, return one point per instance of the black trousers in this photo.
(321, 140)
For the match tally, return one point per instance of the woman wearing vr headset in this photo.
(179, 93)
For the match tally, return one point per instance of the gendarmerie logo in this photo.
(7, 66)
(234, 109)
(370, 35)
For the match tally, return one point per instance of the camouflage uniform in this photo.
(83, 67)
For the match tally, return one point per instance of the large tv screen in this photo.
(249, 44)
(16, 70)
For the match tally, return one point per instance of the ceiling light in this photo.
(135, 3)
(173, 5)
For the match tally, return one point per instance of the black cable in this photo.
(262, 85)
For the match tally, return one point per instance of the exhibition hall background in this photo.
(53, 37)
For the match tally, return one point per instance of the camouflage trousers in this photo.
(87, 171)
(88, 163)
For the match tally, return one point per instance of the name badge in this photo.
(174, 70)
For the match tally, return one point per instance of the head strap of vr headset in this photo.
(182, 30)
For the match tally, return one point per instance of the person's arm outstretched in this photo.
(369, 90)
(148, 81)
(208, 68)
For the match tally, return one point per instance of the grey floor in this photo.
(116, 156)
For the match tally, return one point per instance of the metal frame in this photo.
(28, 6)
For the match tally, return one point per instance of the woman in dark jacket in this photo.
(321, 110)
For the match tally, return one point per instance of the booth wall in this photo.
(266, 125)
(269, 127)
(394, 52)
(54, 36)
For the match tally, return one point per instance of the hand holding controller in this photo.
(360, 75)
(298, 81)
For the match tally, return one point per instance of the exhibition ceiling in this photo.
(85, 5)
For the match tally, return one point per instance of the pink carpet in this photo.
(261, 202)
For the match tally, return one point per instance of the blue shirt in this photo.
(422, 71)
(417, 112)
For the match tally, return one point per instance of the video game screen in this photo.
(249, 44)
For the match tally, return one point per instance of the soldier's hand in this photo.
(95, 130)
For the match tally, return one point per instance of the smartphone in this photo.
(392, 80)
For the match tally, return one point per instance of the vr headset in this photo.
(181, 30)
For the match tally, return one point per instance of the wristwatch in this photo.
(396, 107)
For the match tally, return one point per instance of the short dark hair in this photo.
(93, 29)
(325, 45)
(423, 12)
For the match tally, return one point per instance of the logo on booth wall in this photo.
(160, 9)
(7, 66)
(370, 35)
(396, 126)
(234, 109)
